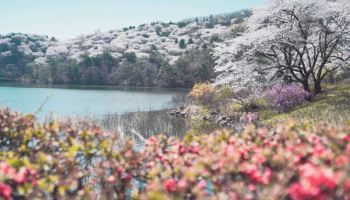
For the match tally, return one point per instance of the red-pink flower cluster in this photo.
(314, 183)
(289, 162)
(17, 177)
(5, 191)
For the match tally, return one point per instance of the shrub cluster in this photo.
(290, 163)
(285, 97)
(223, 93)
(202, 93)
(207, 94)
(79, 161)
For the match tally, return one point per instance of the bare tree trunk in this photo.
(306, 86)
(318, 87)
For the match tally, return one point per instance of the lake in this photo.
(84, 101)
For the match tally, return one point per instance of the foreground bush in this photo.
(285, 97)
(79, 161)
(51, 160)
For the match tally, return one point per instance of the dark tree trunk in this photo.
(306, 86)
(318, 87)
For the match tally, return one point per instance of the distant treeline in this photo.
(194, 66)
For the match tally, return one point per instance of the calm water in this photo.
(83, 101)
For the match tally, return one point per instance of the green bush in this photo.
(182, 44)
(223, 93)
(130, 57)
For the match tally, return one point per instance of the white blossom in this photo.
(286, 38)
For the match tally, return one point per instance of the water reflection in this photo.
(147, 124)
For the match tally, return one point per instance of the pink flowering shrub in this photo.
(51, 160)
(249, 117)
(80, 161)
(285, 97)
(18, 178)
(258, 164)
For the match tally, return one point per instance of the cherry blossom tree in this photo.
(295, 40)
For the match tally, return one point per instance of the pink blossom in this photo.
(259, 159)
(34, 182)
(229, 150)
(21, 176)
(182, 184)
(150, 164)
(347, 185)
(348, 148)
(285, 97)
(319, 149)
(6, 169)
(346, 138)
(170, 185)
(111, 179)
(127, 177)
(314, 182)
(195, 148)
(151, 140)
(252, 187)
(202, 184)
(267, 176)
(120, 170)
(299, 192)
(182, 150)
(5, 191)
(232, 140)
(341, 161)
(188, 162)
(249, 117)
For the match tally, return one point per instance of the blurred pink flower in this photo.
(170, 185)
(5, 191)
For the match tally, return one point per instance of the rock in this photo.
(206, 118)
(213, 113)
(172, 112)
(223, 123)
(178, 113)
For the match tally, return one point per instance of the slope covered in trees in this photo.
(156, 54)
(18, 50)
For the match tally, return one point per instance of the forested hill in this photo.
(156, 54)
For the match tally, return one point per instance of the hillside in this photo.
(18, 50)
(332, 106)
(210, 108)
(156, 54)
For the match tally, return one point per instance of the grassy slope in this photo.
(332, 106)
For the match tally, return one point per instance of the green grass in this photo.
(332, 106)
